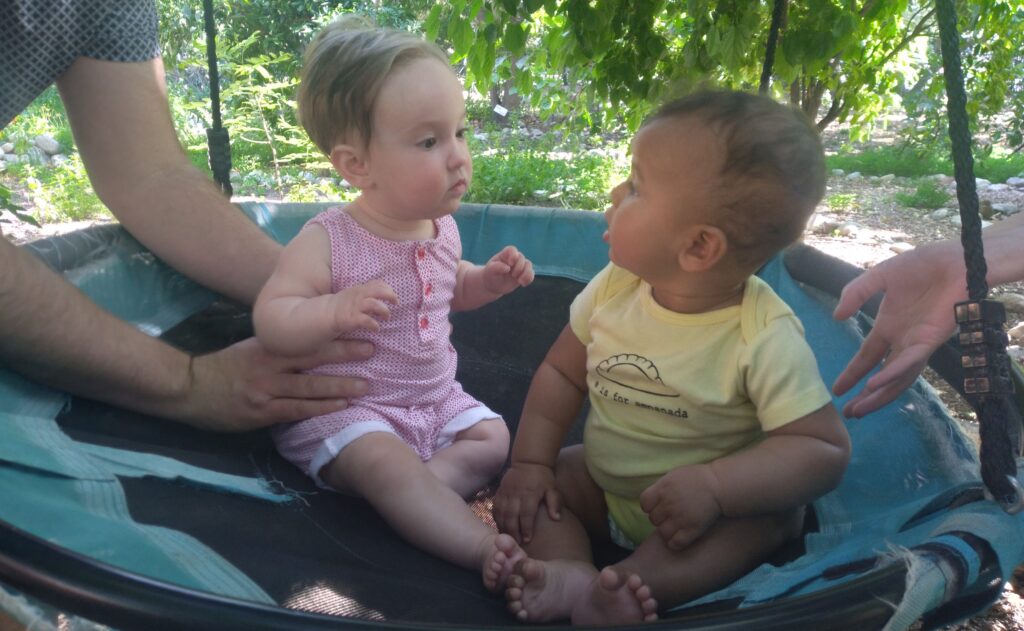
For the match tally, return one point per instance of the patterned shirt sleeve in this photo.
(40, 39)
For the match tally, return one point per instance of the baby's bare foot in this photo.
(500, 557)
(614, 598)
(540, 591)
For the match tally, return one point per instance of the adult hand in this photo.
(682, 504)
(915, 317)
(243, 387)
(522, 490)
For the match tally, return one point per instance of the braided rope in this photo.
(985, 358)
(216, 136)
(778, 10)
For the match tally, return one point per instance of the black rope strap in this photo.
(778, 10)
(216, 136)
(987, 381)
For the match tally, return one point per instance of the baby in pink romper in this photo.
(387, 109)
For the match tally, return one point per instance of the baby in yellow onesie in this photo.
(709, 427)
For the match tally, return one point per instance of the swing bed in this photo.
(138, 523)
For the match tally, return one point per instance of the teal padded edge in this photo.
(568, 243)
(560, 242)
(51, 484)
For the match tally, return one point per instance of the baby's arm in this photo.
(477, 285)
(555, 396)
(296, 312)
(792, 466)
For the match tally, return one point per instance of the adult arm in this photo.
(552, 402)
(124, 132)
(916, 314)
(53, 333)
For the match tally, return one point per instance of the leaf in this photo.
(432, 25)
(461, 32)
(515, 38)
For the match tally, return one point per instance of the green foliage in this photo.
(991, 32)
(7, 203)
(593, 61)
(897, 160)
(842, 202)
(59, 193)
(903, 161)
(928, 195)
(521, 174)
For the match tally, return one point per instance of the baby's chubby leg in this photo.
(727, 551)
(475, 457)
(385, 471)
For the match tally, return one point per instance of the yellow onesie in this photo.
(669, 389)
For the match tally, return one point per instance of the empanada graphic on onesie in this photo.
(635, 372)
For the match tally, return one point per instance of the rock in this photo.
(1, 154)
(1017, 333)
(1006, 208)
(998, 188)
(58, 159)
(888, 177)
(823, 225)
(1016, 352)
(981, 183)
(849, 229)
(838, 173)
(1014, 303)
(900, 247)
(955, 220)
(8, 147)
(854, 176)
(47, 144)
(1015, 181)
(941, 213)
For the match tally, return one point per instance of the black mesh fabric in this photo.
(329, 553)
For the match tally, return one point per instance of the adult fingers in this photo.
(285, 410)
(898, 366)
(857, 292)
(870, 354)
(310, 386)
(337, 351)
(871, 400)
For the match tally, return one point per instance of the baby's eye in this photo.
(428, 143)
(462, 133)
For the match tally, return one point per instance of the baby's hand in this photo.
(361, 306)
(522, 490)
(682, 504)
(507, 270)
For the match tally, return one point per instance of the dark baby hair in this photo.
(773, 173)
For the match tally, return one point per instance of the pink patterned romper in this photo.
(413, 392)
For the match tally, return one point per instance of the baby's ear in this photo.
(350, 164)
(702, 247)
